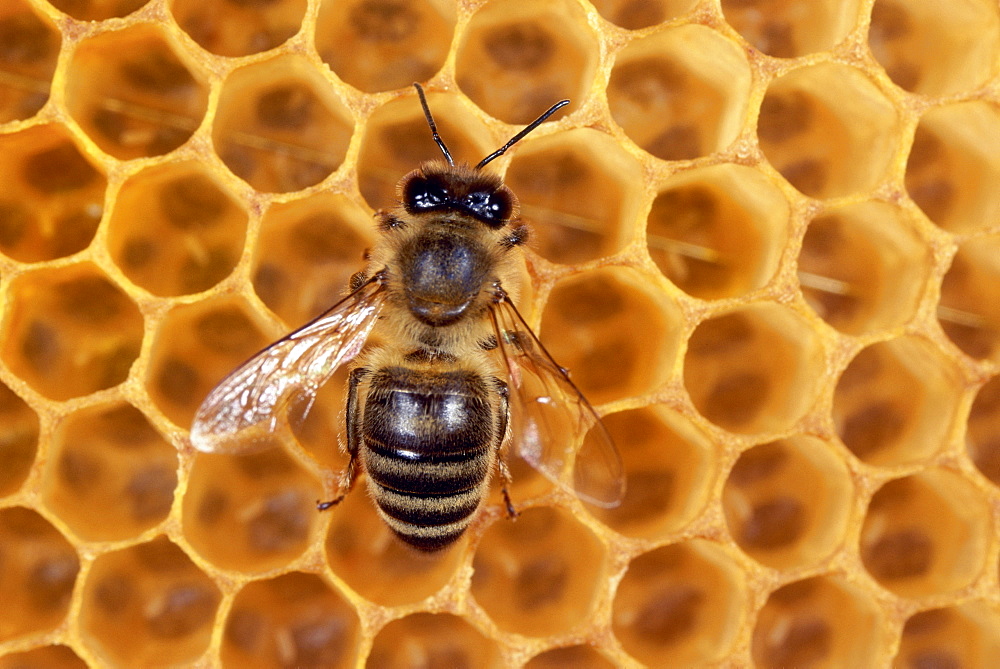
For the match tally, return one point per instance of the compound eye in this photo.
(423, 194)
(491, 207)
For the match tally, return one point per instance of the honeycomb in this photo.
(765, 239)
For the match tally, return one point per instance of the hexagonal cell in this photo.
(433, 640)
(581, 327)
(110, 475)
(294, 620)
(821, 621)
(196, 346)
(250, 513)
(43, 657)
(148, 605)
(718, 231)
(97, 10)
(928, 48)
(926, 534)
(70, 331)
(786, 29)
(968, 311)
(539, 575)
(580, 657)
(192, 229)
(787, 502)
(279, 125)
(967, 635)
(680, 605)
(983, 430)
(367, 555)
(133, 94)
(753, 369)
(29, 47)
(862, 267)
(307, 251)
(637, 14)
(517, 58)
(680, 93)
(379, 45)
(239, 28)
(896, 401)
(828, 130)
(54, 197)
(37, 574)
(669, 469)
(580, 192)
(397, 140)
(954, 165)
(18, 440)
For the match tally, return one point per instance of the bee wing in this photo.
(549, 415)
(241, 412)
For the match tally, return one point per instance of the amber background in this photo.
(765, 241)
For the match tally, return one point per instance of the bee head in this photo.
(444, 188)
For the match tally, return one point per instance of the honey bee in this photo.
(461, 384)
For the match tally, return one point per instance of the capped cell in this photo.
(927, 47)
(965, 635)
(433, 640)
(29, 47)
(752, 369)
(250, 512)
(982, 436)
(37, 574)
(539, 575)
(516, 59)
(668, 471)
(896, 402)
(969, 306)
(195, 347)
(240, 28)
(110, 475)
(19, 443)
(786, 502)
(926, 534)
(582, 329)
(192, 230)
(680, 605)
(307, 251)
(379, 45)
(680, 93)
(580, 192)
(70, 331)
(828, 130)
(133, 92)
(295, 619)
(279, 126)
(954, 165)
(148, 605)
(97, 10)
(397, 140)
(787, 29)
(43, 657)
(820, 621)
(643, 14)
(581, 657)
(54, 198)
(862, 267)
(375, 563)
(718, 231)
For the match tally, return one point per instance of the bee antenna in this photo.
(519, 136)
(433, 126)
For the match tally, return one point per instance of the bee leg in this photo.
(353, 438)
(504, 393)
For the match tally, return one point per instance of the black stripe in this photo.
(429, 476)
(428, 511)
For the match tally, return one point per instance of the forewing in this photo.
(246, 407)
(550, 416)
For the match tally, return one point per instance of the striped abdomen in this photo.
(428, 448)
